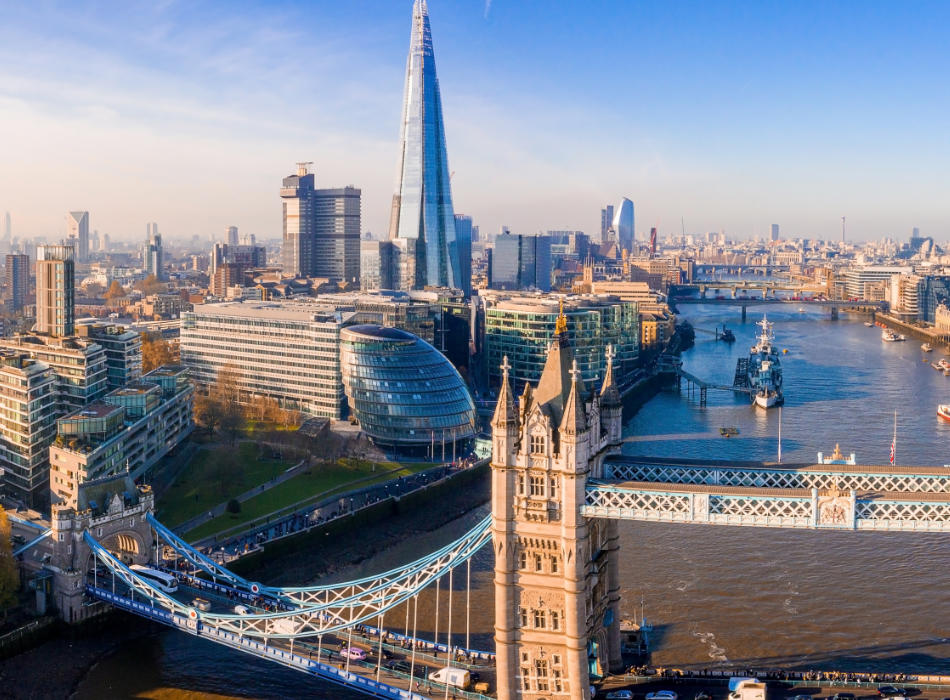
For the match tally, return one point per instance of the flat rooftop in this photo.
(281, 311)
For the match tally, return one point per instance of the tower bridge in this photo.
(559, 487)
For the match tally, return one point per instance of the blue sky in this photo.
(730, 115)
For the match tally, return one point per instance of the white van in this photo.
(241, 610)
(455, 677)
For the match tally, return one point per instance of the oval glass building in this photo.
(404, 392)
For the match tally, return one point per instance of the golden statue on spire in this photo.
(561, 325)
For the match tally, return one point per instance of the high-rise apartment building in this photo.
(77, 232)
(297, 197)
(336, 233)
(55, 290)
(152, 257)
(774, 232)
(231, 235)
(123, 350)
(18, 280)
(422, 222)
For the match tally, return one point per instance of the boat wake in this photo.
(715, 652)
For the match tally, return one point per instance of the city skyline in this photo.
(726, 118)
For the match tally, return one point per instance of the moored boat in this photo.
(869, 324)
(943, 412)
(926, 347)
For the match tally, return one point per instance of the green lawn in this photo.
(322, 481)
(215, 475)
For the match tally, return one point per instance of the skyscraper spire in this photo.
(422, 222)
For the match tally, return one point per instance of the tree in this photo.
(208, 410)
(94, 289)
(234, 506)
(151, 285)
(115, 291)
(9, 572)
(156, 351)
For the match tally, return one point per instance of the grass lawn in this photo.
(322, 481)
(216, 474)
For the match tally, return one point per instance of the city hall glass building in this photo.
(403, 392)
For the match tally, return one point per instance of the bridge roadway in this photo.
(323, 656)
(835, 496)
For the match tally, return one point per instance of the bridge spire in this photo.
(609, 395)
(505, 414)
(574, 421)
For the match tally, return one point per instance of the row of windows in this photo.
(537, 484)
(535, 562)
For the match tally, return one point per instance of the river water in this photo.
(715, 595)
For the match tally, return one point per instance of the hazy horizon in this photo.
(729, 117)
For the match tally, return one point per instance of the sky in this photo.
(708, 115)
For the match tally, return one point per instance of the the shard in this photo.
(422, 224)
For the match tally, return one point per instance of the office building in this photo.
(55, 290)
(422, 223)
(863, 282)
(28, 425)
(933, 290)
(244, 257)
(231, 235)
(77, 233)
(466, 234)
(606, 221)
(152, 257)
(7, 227)
(336, 230)
(623, 224)
(297, 198)
(128, 431)
(376, 265)
(521, 262)
(284, 351)
(18, 280)
(432, 408)
(521, 326)
(774, 232)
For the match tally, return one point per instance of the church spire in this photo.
(609, 395)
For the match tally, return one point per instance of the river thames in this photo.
(715, 595)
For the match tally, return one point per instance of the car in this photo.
(403, 666)
(888, 691)
(843, 696)
(353, 653)
(662, 695)
(619, 695)
(703, 695)
(242, 610)
(802, 697)
(202, 604)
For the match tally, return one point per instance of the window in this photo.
(553, 486)
(556, 660)
(537, 486)
(526, 679)
(541, 668)
(521, 484)
(537, 563)
(539, 619)
(537, 444)
(523, 612)
(523, 560)
(555, 620)
(553, 565)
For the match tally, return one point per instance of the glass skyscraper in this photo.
(422, 225)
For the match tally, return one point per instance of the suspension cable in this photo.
(468, 597)
(435, 633)
(412, 662)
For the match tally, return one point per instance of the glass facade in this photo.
(422, 205)
(522, 327)
(402, 390)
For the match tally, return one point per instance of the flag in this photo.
(893, 448)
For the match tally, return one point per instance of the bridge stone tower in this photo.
(557, 587)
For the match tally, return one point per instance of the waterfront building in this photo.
(521, 262)
(404, 393)
(336, 229)
(18, 280)
(127, 432)
(152, 257)
(623, 224)
(858, 279)
(522, 326)
(123, 351)
(422, 222)
(28, 394)
(297, 198)
(77, 233)
(286, 351)
(376, 265)
(656, 328)
(55, 290)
